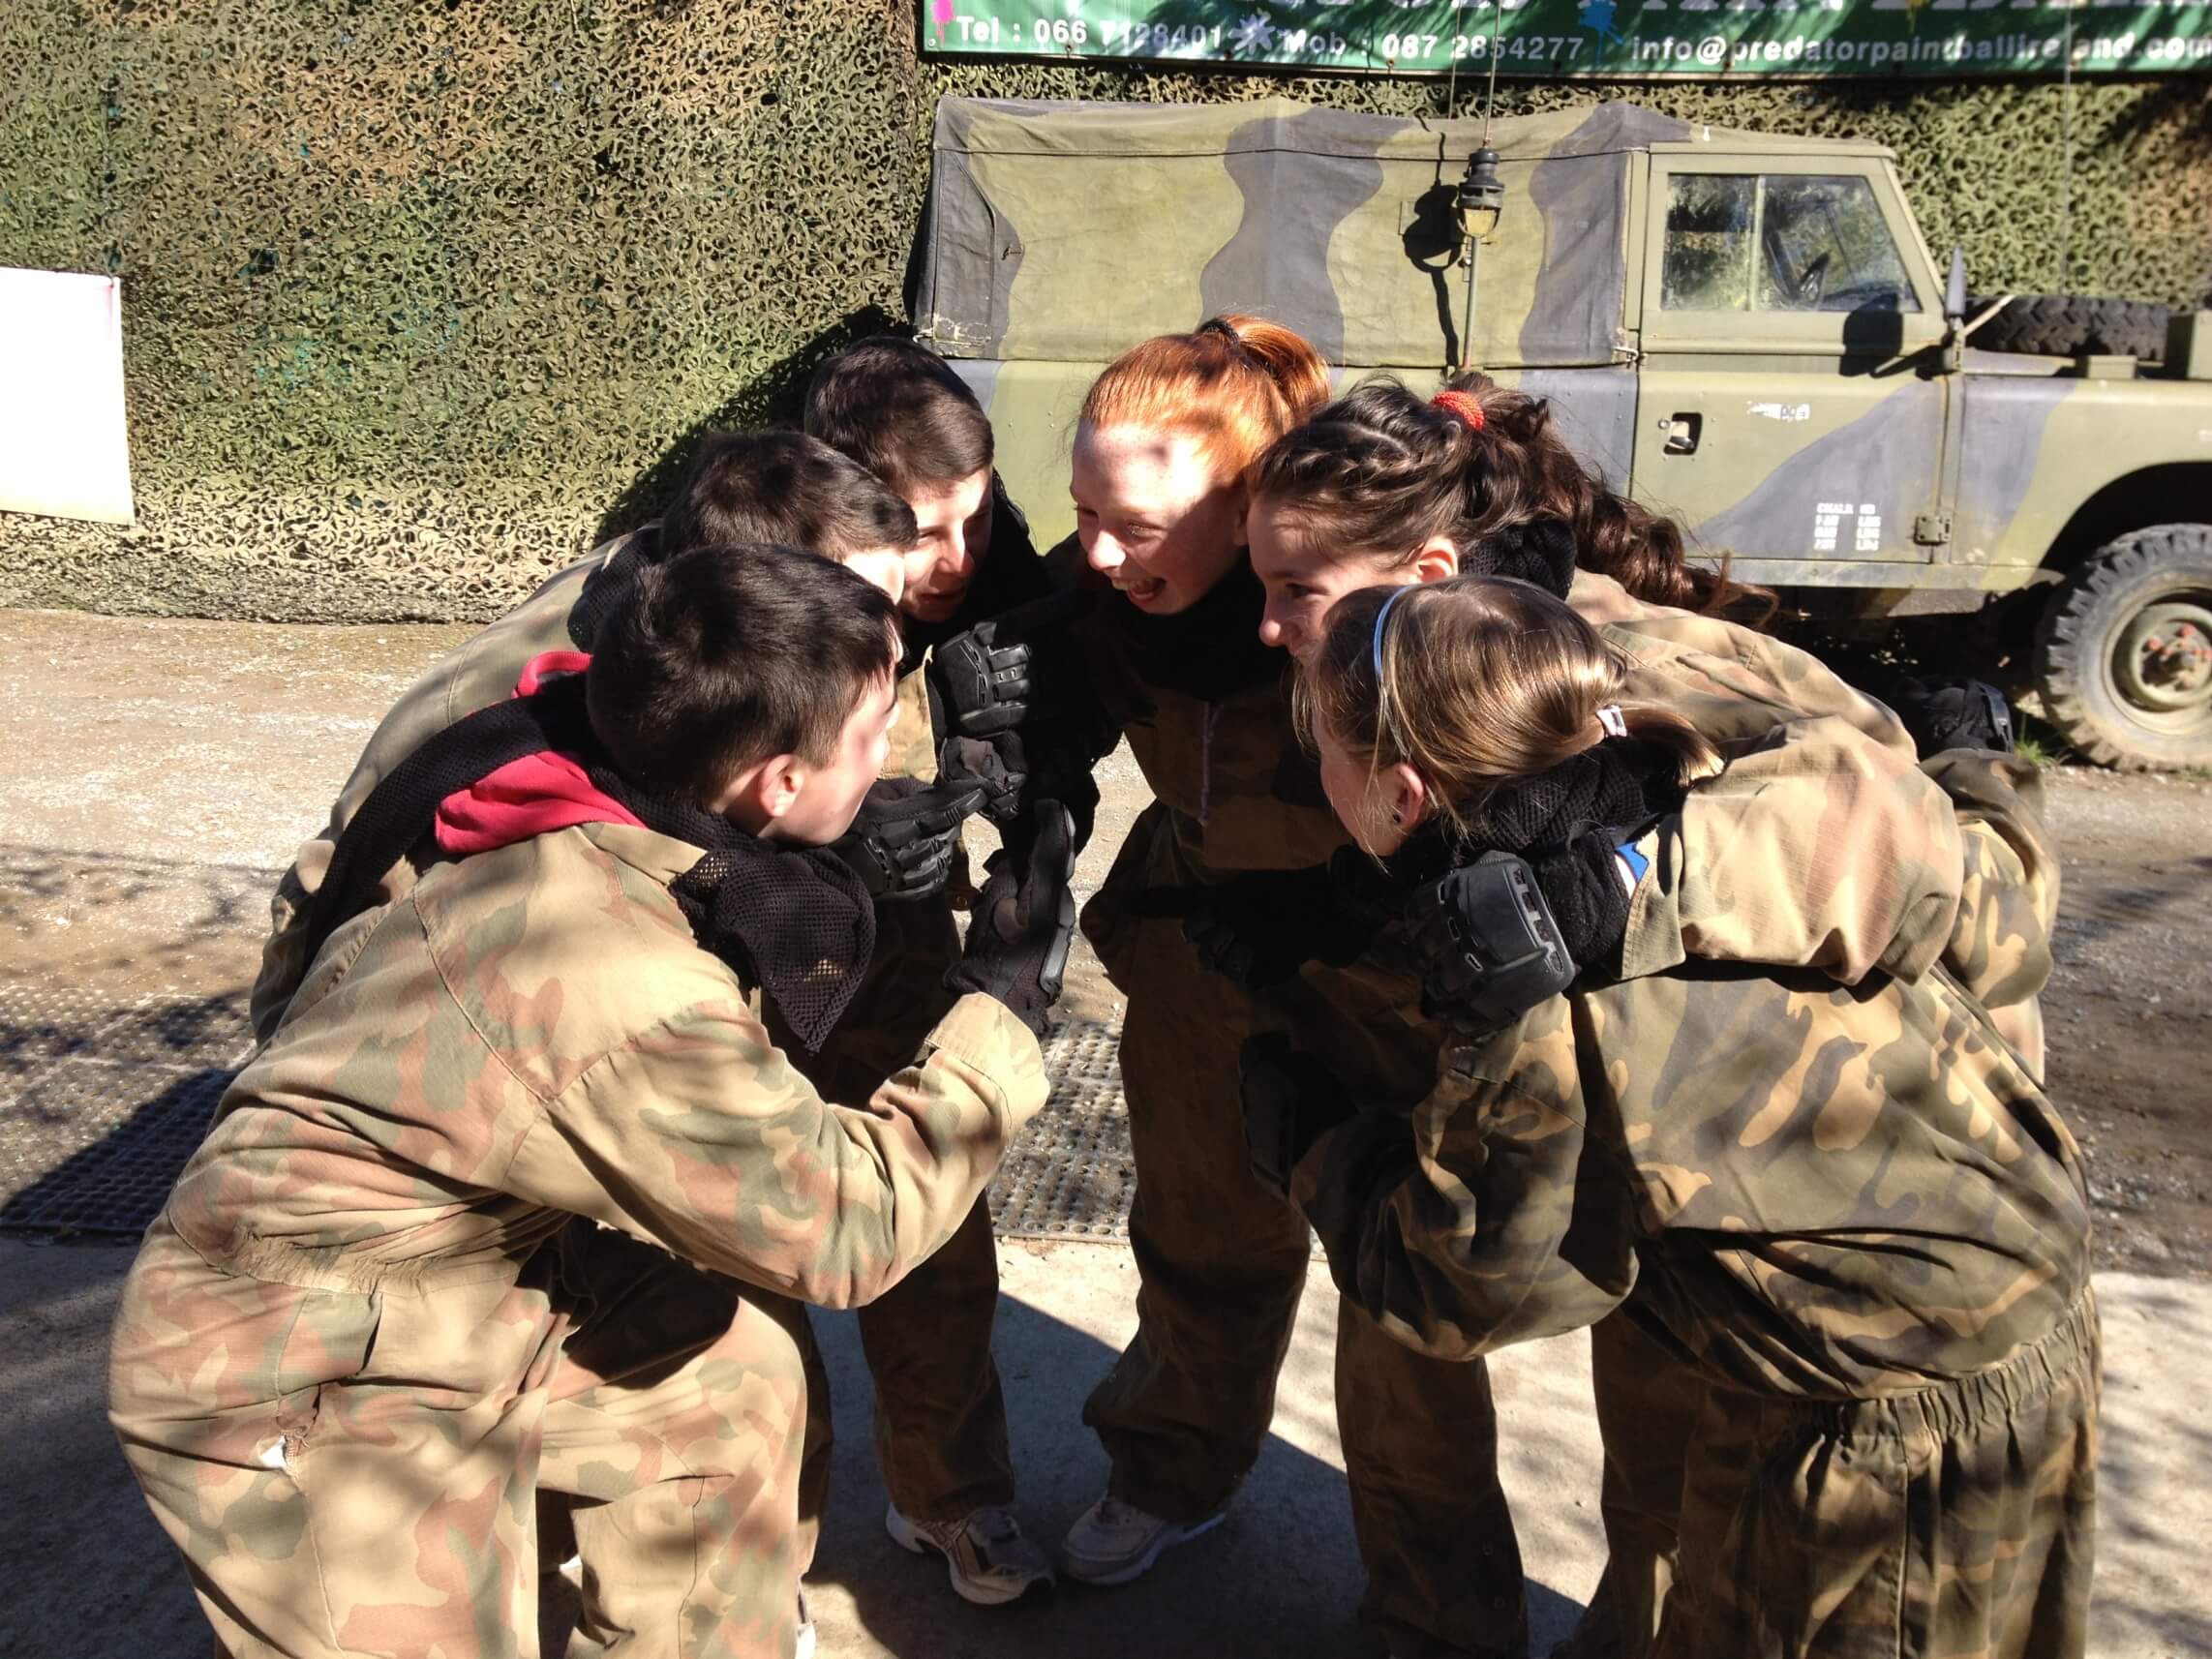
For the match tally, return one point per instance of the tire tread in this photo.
(2067, 635)
(2067, 325)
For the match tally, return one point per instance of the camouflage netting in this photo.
(421, 299)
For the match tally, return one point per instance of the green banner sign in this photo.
(1625, 39)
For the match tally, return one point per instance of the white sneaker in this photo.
(803, 1646)
(985, 1556)
(1113, 1541)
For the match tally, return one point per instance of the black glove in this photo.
(1000, 765)
(1022, 922)
(1488, 944)
(1291, 1100)
(1010, 671)
(1955, 712)
(1261, 928)
(904, 837)
(997, 765)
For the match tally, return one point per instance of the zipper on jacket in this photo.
(1206, 762)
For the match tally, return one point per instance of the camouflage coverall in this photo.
(940, 1415)
(1221, 1261)
(1848, 905)
(1851, 1212)
(376, 1316)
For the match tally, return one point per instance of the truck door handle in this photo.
(1682, 433)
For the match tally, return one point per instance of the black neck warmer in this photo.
(1541, 552)
(1210, 651)
(1619, 782)
(1566, 824)
(794, 922)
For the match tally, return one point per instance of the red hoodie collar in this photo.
(533, 796)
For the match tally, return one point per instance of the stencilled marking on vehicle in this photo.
(1866, 529)
(1781, 411)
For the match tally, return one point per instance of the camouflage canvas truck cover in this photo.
(1744, 331)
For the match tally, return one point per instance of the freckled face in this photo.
(1152, 517)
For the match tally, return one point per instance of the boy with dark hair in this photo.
(764, 487)
(787, 488)
(374, 1318)
(900, 410)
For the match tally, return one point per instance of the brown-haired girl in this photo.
(1386, 490)
(1422, 486)
(1851, 1212)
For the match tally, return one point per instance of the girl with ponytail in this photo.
(1170, 633)
(1850, 1227)
(1383, 485)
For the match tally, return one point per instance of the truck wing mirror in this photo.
(1955, 287)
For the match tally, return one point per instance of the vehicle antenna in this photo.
(1490, 97)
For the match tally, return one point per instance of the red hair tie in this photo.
(1461, 405)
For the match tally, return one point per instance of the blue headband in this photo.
(1382, 617)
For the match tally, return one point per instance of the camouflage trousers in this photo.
(1957, 1523)
(350, 1462)
(1648, 1403)
(1222, 1261)
(940, 1412)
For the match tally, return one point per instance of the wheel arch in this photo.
(2171, 493)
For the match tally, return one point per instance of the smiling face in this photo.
(956, 525)
(1152, 517)
(1305, 573)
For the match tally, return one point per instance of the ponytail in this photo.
(1693, 757)
(1285, 356)
(1239, 382)
(1641, 549)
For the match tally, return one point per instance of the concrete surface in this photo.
(89, 1575)
(153, 776)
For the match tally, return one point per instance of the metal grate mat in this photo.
(102, 1106)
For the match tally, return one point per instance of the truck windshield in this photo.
(1778, 242)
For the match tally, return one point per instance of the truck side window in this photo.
(1706, 261)
(1778, 242)
(1825, 247)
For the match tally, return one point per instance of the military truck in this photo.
(1744, 331)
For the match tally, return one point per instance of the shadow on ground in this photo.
(100, 1104)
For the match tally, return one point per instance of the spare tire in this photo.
(2069, 325)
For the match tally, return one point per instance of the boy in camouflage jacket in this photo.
(521, 1197)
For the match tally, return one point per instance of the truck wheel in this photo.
(2124, 653)
(2067, 325)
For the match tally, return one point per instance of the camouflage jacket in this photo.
(1822, 787)
(479, 673)
(531, 1033)
(1817, 1190)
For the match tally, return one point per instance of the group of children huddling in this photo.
(1510, 911)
